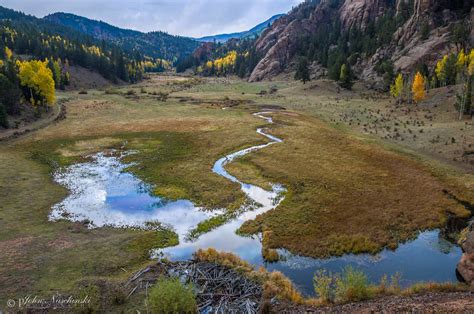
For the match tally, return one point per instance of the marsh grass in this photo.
(209, 225)
(352, 285)
(323, 283)
(335, 178)
(334, 181)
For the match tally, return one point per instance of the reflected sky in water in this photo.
(102, 192)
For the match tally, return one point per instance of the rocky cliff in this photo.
(278, 43)
(358, 13)
(407, 48)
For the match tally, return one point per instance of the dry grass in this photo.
(350, 287)
(177, 144)
(345, 195)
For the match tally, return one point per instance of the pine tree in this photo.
(56, 69)
(418, 88)
(345, 78)
(3, 117)
(302, 71)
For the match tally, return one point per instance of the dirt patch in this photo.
(56, 113)
(13, 248)
(458, 302)
(60, 244)
(82, 78)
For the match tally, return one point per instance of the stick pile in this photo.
(219, 289)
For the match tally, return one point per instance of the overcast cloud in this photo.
(179, 17)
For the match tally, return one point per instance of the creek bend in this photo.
(103, 193)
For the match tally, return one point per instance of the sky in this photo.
(194, 18)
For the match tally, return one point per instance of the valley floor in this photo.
(353, 184)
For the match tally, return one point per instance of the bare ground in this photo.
(456, 302)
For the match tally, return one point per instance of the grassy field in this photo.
(347, 191)
(177, 144)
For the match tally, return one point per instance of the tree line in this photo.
(451, 69)
(236, 57)
(28, 81)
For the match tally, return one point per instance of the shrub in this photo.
(323, 283)
(168, 295)
(352, 285)
(111, 91)
(82, 92)
(277, 284)
(3, 117)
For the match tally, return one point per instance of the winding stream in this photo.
(102, 193)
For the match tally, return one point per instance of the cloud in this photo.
(180, 17)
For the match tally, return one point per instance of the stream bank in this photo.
(105, 194)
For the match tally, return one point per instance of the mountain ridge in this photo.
(335, 23)
(254, 31)
(155, 44)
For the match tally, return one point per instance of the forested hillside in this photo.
(253, 32)
(371, 39)
(237, 57)
(369, 36)
(33, 37)
(35, 56)
(154, 44)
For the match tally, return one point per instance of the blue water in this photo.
(102, 192)
(427, 258)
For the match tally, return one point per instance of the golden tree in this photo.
(418, 87)
(441, 70)
(38, 78)
(396, 89)
(462, 60)
(470, 68)
(8, 53)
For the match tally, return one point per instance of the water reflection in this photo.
(104, 194)
(427, 258)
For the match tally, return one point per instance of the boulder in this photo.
(466, 265)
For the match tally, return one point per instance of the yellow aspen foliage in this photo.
(1, 63)
(441, 69)
(36, 75)
(462, 61)
(222, 65)
(8, 53)
(396, 89)
(470, 68)
(418, 87)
